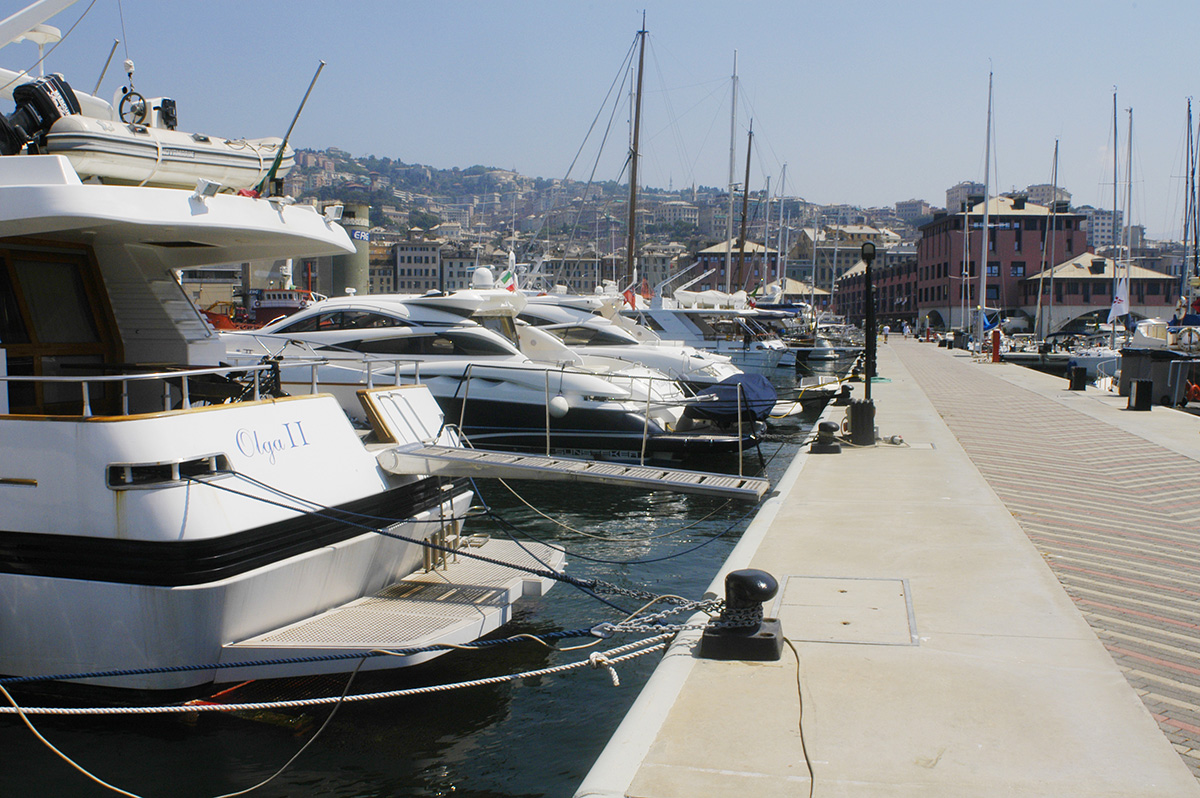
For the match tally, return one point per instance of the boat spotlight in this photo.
(205, 189)
(39, 105)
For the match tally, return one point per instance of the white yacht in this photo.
(560, 403)
(593, 325)
(715, 322)
(169, 518)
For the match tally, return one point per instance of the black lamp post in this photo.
(868, 256)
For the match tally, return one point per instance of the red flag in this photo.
(629, 297)
(645, 290)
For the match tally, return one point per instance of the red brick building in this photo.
(1019, 237)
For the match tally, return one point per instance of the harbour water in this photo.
(535, 737)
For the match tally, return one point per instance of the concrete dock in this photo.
(1003, 604)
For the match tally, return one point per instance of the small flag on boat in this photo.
(1120, 303)
(645, 291)
(508, 279)
(629, 297)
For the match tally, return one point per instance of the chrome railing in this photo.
(168, 378)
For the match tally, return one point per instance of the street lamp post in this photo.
(868, 256)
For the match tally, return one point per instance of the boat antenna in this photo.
(262, 187)
(104, 71)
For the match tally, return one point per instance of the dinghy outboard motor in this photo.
(39, 105)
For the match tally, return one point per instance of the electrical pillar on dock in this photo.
(862, 413)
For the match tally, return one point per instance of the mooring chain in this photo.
(725, 617)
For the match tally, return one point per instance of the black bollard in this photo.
(741, 631)
(861, 415)
(826, 442)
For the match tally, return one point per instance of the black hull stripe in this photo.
(194, 562)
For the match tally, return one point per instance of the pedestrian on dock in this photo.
(886, 330)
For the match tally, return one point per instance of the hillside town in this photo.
(421, 229)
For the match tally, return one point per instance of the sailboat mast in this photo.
(1053, 240)
(987, 163)
(1112, 333)
(780, 261)
(1128, 219)
(745, 207)
(1047, 254)
(732, 169)
(630, 251)
(762, 278)
(1188, 197)
(1195, 270)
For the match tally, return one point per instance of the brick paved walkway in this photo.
(1116, 517)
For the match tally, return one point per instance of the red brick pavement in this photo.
(1116, 517)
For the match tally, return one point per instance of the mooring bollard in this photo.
(741, 631)
(826, 442)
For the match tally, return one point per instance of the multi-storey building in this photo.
(911, 210)
(677, 211)
(1046, 194)
(1085, 284)
(1018, 239)
(821, 256)
(418, 266)
(1100, 225)
(958, 195)
(750, 266)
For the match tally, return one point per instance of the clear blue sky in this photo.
(867, 102)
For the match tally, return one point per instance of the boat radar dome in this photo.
(482, 278)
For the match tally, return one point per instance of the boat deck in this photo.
(1004, 604)
(461, 600)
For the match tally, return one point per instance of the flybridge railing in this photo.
(175, 382)
(372, 364)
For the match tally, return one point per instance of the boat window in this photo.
(589, 336)
(446, 344)
(57, 301)
(313, 323)
(505, 325)
(366, 320)
(535, 321)
(12, 326)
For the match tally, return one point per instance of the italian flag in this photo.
(508, 279)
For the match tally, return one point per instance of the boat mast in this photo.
(1188, 195)
(745, 206)
(762, 278)
(1128, 222)
(1048, 254)
(1195, 270)
(1112, 333)
(630, 261)
(987, 163)
(732, 169)
(780, 262)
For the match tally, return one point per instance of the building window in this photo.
(1018, 269)
(993, 269)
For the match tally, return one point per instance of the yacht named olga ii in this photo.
(182, 524)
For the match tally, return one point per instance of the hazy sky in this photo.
(866, 102)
